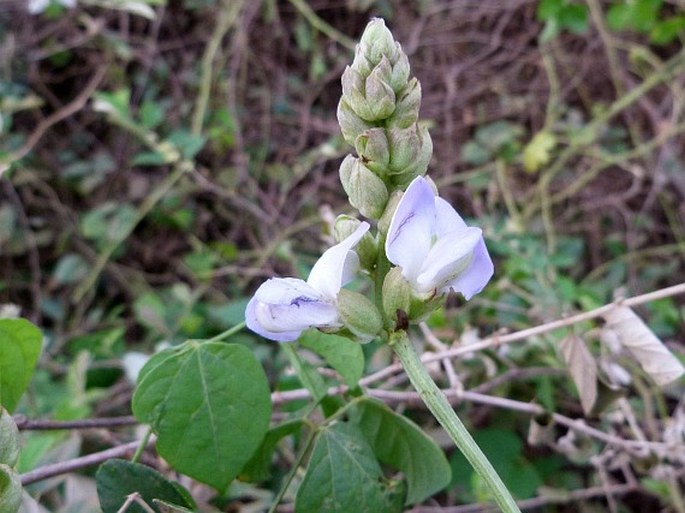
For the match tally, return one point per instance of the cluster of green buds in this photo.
(10, 484)
(420, 249)
(378, 115)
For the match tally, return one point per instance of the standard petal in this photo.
(450, 256)
(476, 276)
(446, 218)
(412, 228)
(283, 307)
(337, 265)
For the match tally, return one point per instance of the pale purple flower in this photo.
(434, 248)
(284, 307)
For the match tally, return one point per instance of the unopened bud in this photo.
(405, 146)
(389, 212)
(10, 490)
(396, 294)
(366, 249)
(400, 72)
(351, 125)
(407, 106)
(372, 147)
(377, 41)
(380, 98)
(9, 439)
(367, 192)
(359, 315)
(410, 152)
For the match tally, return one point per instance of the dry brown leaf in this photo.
(652, 355)
(583, 369)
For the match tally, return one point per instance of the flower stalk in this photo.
(441, 409)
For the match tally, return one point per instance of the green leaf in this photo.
(209, 404)
(116, 479)
(667, 30)
(400, 443)
(475, 154)
(638, 15)
(71, 268)
(308, 375)
(10, 490)
(20, 344)
(151, 114)
(188, 144)
(149, 158)
(258, 468)
(343, 476)
(504, 450)
(344, 355)
(109, 222)
(537, 152)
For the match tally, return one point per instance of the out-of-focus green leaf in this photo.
(537, 152)
(20, 345)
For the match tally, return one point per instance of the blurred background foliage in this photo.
(159, 160)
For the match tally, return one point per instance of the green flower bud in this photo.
(367, 192)
(372, 147)
(377, 41)
(9, 439)
(407, 107)
(10, 490)
(400, 72)
(380, 98)
(344, 227)
(372, 99)
(410, 148)
(396, 295)
(389, 212)
(366, 250)
(359, 315)
(351, 125)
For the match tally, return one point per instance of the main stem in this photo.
(442, 410)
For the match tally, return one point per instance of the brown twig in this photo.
(65, 467)
(71, 108)
(26, 424)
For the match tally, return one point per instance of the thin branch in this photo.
(71, 108)
(537, 502)
(498, 340)
(64, 467)
(25, 424)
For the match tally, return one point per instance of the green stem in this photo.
(225, 334)
(437, 403)
(293, 471)
(142, 445)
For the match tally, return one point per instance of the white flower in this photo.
(284, 307)
(434, 248)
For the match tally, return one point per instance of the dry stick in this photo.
(64, 467)
(321, 25)
(588, 134)
(537, 502)
(498, 340)
(25, 424)
(577, 425)
(71, 108)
